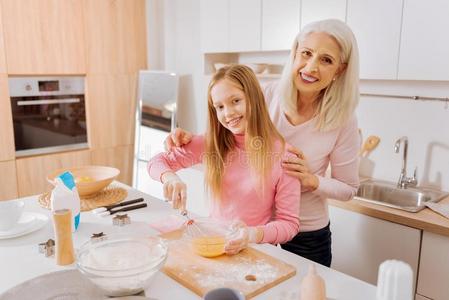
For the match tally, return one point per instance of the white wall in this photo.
(174, 39)
(173, 44)
(425, 123)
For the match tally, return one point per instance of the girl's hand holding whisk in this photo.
(175, 190)
(242, 238)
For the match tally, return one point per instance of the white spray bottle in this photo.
(65, 196)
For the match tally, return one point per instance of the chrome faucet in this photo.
(404, 181)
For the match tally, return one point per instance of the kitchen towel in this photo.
(442, 209)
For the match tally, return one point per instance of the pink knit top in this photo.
(338, 147)
(274, 207)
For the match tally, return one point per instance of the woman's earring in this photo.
(333, 79)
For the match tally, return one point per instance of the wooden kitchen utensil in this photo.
(251, 271)
(370, 143)
(62, 220)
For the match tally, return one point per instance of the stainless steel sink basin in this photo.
(388, 194)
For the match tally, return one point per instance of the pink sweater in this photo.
(275, 210)
(338, 147)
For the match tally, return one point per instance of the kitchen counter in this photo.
(21, 261)
(426, 219)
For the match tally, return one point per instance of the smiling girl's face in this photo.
(317, 63)
(230, 105)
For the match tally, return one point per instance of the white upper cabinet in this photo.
(313, 10)
(244, 25)
(397, 39)
(230, 25)
(378, 37)
(280, 23)
(425, 40)
(214, 25)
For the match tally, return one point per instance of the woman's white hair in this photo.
(341, 97)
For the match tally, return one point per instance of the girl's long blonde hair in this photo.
(260, 135)
(339, 100)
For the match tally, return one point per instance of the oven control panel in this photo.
(46, 86)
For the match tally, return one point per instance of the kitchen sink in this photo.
(388, 194)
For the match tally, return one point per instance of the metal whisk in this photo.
(191, 227)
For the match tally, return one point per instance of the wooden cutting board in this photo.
(201, 274)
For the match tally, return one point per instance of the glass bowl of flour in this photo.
(122, 265)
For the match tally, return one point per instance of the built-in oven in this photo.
(49, 114)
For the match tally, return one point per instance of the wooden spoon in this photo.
(370, 143)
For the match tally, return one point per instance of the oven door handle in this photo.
(48, 101)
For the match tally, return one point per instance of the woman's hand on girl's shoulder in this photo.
(297, 167)
(177, 138)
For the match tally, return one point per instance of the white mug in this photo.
(10, 212)
(224, 294)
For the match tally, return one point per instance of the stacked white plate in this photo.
(29, 222)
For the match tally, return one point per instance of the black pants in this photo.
(313, 245)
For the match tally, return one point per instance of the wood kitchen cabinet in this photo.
(312, 10)
(44, 36)
(2, 47)
(8, 180)
(424, 41)
(117, 157)
(115, 36)
(7, 150)
(377, 38)
(434, 267)
(280, 23)
(103, 39)
(111, 108)
(32, 171)
(6, 125)
(361, 243)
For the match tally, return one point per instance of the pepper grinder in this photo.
(62, 221)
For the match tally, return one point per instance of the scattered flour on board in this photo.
(226, 273)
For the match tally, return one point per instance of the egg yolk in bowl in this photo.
(209, 246)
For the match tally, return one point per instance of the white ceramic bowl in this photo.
(218, 66)
(257, 68)
(10, 212)
(122, 265)
(274, 69)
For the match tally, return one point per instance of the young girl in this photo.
(242, 152)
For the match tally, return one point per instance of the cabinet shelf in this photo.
(268, 76)
(274, 60)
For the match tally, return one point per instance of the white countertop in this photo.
(20, 259)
